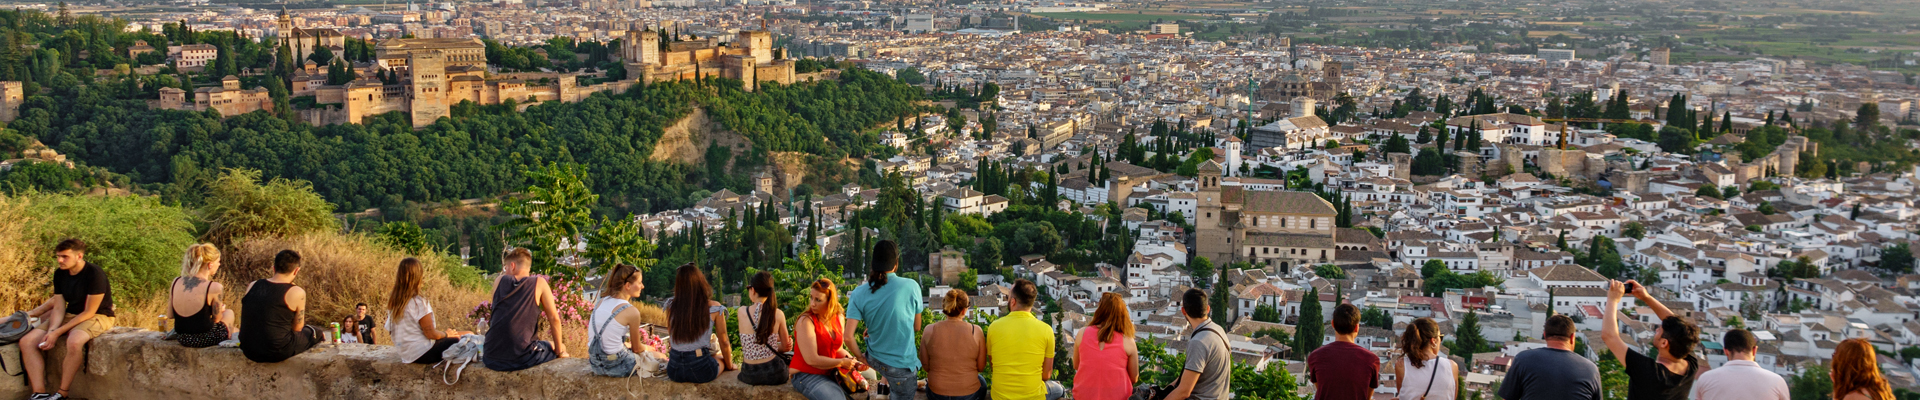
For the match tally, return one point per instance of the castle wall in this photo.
(429, 87)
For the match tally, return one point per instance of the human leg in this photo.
(35, 359)
(436, 353)
(76, 356)
(817, 387)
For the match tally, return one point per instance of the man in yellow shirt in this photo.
(1020, 348)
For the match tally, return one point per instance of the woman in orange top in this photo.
(821, 346)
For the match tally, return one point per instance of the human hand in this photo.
(1638, 290)
(1615, 289)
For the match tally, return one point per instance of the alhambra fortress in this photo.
(435, 74)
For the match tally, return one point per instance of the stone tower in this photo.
(1402, 165)
(1331, 69)
(759, 45)
(1233, 156)
(1302, 107)
(1215, 239)
(284, 26)
(428, 91)
(11, 95)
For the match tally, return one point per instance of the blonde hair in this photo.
(198, 256)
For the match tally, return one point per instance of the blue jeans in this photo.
(899, 380)
(1056, 391)
(817, 387)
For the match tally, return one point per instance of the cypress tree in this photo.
(1310, 330)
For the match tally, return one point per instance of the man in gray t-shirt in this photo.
(1208, 370)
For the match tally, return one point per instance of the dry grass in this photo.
(340, 271)
(23, 281)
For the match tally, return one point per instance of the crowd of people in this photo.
(831, 358)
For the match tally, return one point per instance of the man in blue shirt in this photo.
(890, 306)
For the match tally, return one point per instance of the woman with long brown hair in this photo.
(954, 352)
(693, 319)
(1105, 353)
(1421, 364)
(411, 318)
(763, 334)
(821, 346)
(1856, 372)
(615, 318)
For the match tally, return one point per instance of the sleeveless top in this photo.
(515, 320)
(1414, 381)
(750, 346)
(1101, 373)
(826, 343)
(705, 341)
(199, 322)
(266, 329)
(613, 331)
(952, 356)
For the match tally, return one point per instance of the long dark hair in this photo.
(762, 285)
(687, 317)
(1417, 342)
(886, 255)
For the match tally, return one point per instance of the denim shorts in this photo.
(692, 366)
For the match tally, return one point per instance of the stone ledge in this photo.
(129, 363)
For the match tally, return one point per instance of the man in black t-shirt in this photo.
(80, 309)
(1670, 372)
(363, 324)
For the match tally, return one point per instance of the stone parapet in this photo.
(130, 363)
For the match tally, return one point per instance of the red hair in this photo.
(1856, 370)
(832, 307)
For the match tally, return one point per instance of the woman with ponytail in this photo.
(891, 309)
(200, 318)
(763, 334)
(956, 352)
(1421, 365)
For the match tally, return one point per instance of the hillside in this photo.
(481, 150)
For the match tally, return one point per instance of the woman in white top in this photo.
(614, 319)
(1422, 373)
(763, 335)
(419, 340)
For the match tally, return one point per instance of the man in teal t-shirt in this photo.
(890, 305)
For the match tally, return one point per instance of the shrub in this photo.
(239, 207)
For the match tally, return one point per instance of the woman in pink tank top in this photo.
(1106, 361)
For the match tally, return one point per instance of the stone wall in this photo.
(130, 363)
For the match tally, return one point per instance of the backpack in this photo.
(463, 352)
(1147, 391)
(16, 327)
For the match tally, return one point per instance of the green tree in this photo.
(555, 209)
(1897, 257)
(1467, 339)
(619, 241)
(404, 235)
(1201, 267)
(1310, 328)
(1634, 229)
(1221, 301)
(321, 55)
(1766, 207)
(1329, 271)
(1266, 313)
(1613, 377)
(1708, 191)
(1813, 383)
(239, 207)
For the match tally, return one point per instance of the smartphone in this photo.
(1631, 286)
